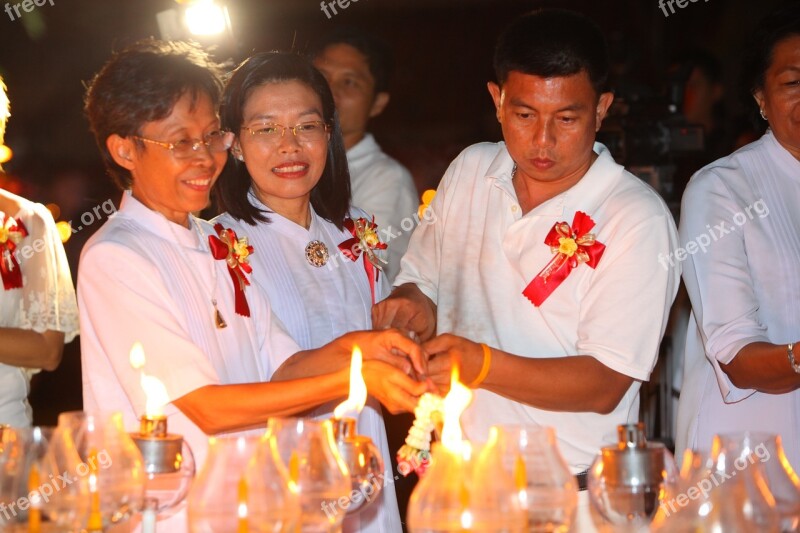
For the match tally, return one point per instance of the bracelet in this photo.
(790, 353)
(487, 363)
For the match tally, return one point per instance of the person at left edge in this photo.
(148, 275)
(38, 311)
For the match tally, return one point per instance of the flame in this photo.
(455, 403)
(241, 509)
(154, 390)
(358, 388)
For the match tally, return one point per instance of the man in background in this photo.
(357, 68)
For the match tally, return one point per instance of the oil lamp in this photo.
(359, 453)
(465, 488)
(168, 460)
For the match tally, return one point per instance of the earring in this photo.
(761, 110)
(240, 157)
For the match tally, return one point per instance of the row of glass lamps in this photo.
(88, 474)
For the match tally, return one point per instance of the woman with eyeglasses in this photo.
(289, 192)
(157, 275)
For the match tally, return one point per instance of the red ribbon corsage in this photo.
(226, 245)
(11, 234)
(572, 245)
(365, 239)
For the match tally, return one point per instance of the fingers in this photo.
(382, 314)
(412, 350)
(441, 344)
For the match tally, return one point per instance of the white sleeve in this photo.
(48, 296)
(718, 279)
(624, 313)
(123, 299)
(422, 261)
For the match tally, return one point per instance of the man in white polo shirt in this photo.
(545, 250)
(358, 67)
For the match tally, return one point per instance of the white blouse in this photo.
(744, 284)
(316, 305)
(45, 302)
(145, 279)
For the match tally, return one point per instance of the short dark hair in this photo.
(141, 84)
(552, 43)
(379, 56)
(331, 196)
(781, 23)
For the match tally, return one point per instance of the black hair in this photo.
(141, 84)
(379, 56)
(331, 196)
(552, 43)
(781, 23)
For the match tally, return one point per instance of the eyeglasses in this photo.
(216, 141)
(306, 132)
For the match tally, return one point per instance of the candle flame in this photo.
(358, 388)
(241, 509)
(154, 389)
(455, 403)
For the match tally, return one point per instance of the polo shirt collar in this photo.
(586, 195)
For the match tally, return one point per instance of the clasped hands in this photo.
(398, 369)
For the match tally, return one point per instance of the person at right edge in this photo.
(544, 254)
(742, 363)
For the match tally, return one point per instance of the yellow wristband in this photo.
(487, 363)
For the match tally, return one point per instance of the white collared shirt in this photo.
(383, 187)
(317, 305)
(744, 288)
(46, 301)
(145, 279)
(478, 253)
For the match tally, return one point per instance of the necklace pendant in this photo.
(218, 320)
(317, 253)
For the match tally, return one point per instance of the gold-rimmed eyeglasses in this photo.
(215, 141)
(305, 132)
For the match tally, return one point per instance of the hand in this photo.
(394, 389)
(407, 308)
(447, 350)
(389, 346)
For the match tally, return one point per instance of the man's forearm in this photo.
(570, 384)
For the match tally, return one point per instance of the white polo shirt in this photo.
(478, 253)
